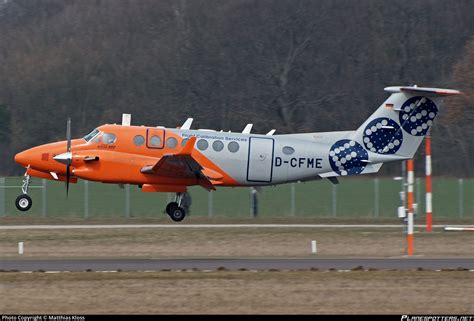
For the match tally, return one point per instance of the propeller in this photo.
(69, 159)
(66, 158)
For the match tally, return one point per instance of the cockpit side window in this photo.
(96, 139)
(109, 138)
(91, 135)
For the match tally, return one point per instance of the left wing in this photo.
(181, 165)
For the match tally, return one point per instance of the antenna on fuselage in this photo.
(126, 119)
(270, 133)
(247, 129)
(187, 124)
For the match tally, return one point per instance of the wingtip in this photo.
(188, 148)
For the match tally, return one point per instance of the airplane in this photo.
(159, 159)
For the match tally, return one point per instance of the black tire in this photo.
(170, 207)
(23, 202)
(178, 214)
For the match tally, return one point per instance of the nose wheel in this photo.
(24, 202)
(174, 209)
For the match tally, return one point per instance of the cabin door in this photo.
(155, 138)
(260, 159)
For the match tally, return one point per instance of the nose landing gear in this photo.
(24, 202)
(174, 209)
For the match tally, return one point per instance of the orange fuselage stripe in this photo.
(122, 161)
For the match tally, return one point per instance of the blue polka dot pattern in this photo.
(417, 114)
(383, 136)
(346, 157)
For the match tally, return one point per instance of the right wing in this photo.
(183, 165)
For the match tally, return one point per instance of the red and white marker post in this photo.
(429, 213)
(410, 238)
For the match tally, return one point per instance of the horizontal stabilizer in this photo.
(426, 91)
(329, 174)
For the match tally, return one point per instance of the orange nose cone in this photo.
(22, 158)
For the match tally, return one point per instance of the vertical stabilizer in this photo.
(393, 132)
(399, 125)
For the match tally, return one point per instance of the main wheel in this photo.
(171, 206)
(177, 214)
(23, 202)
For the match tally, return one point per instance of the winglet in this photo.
(188, 148)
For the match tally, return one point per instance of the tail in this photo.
(393, 132)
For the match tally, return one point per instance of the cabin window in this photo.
(233, 147)
(287, 150)
(138, 140)
(184, 141)
(218, 145)
(202, 144)
(155, 141)
(171, 142)
(109, 138)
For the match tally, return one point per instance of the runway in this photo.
(30, 265)
(197, 226)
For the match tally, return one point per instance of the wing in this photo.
(182, 165)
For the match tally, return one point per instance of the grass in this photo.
(355, 199)
(239, 292)
(223, 292)
(231, 242)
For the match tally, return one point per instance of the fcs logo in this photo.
(417, 114)
(383, 136)
(347, 157)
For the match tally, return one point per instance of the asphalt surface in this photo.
(233, 264)
(197, 226)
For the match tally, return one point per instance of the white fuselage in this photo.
(253, 159)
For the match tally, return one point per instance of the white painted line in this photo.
(124, 226)
(460, 228)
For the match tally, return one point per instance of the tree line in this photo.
(297, 66)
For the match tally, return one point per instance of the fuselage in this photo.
(235, 159)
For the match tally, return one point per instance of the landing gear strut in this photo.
(24, 202)
(174, 209)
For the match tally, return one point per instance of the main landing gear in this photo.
(174, 209)
(24, 202)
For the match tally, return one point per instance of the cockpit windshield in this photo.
(91, 135)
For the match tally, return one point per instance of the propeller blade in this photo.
(68, 176)
(68, 152)
(68, 135)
